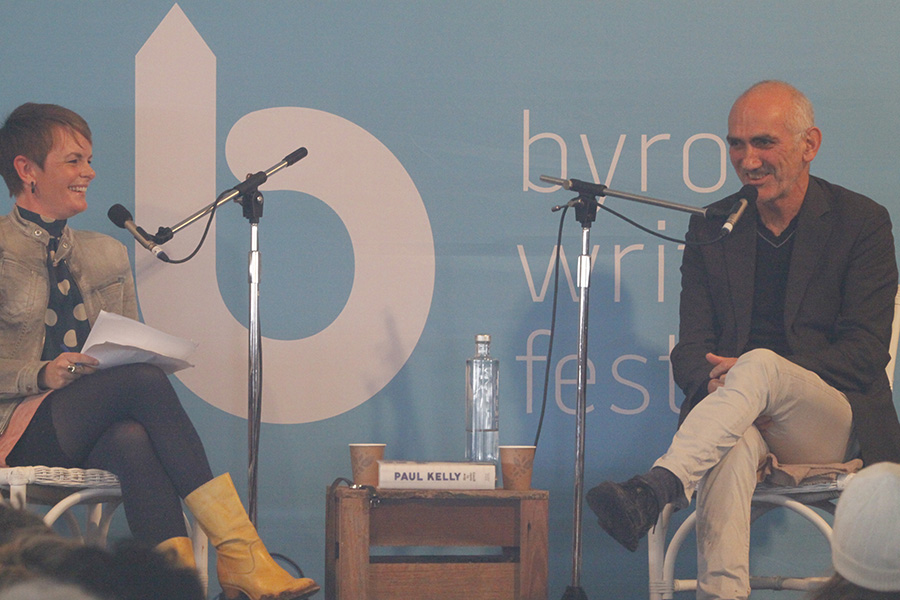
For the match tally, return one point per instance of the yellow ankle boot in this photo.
(242, 561)
(180, 551)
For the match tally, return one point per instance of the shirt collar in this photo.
(53, 227)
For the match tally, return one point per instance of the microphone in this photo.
(120, 215)
(747, 195)
(577, 186)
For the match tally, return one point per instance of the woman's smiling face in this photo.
(60, 187)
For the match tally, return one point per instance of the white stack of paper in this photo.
(116, 340)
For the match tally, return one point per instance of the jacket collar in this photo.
(37, 233)
(739, 255)
(813, 230)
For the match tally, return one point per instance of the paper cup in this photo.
(364, 462)
(516, 463)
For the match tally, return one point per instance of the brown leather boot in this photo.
(180, 550)
(242, 561)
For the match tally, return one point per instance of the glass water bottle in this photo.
(482, 403)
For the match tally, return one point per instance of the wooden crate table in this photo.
(511, 525)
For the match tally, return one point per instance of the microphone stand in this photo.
(586, 213)
(251, 200)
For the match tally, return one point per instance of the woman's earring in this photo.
(33, 187)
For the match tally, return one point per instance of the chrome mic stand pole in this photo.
(254, 380)
(247, 193)
(585, 213)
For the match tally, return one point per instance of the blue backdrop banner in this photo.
(419, 218)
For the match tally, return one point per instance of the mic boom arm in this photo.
(597, 189)
(254, 181)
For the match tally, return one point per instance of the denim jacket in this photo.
(100, 267)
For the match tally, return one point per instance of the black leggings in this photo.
(129, 421)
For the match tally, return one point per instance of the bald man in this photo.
(785, 328)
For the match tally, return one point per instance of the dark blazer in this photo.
(838, 309)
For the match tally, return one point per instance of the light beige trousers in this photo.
(718, 449)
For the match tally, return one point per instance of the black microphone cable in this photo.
(722, 235)
(553, 310)
(209, 221)
(562, 219)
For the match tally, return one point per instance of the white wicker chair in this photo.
(99, 492)
(800, 499)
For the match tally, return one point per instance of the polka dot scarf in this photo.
(66, 321)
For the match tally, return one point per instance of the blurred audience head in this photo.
(45, 589)
(33, 557)
(14, 523)
(865, 546)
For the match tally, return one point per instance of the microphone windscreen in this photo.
(118, 214)
(749, 193)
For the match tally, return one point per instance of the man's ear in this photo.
(812, 141)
